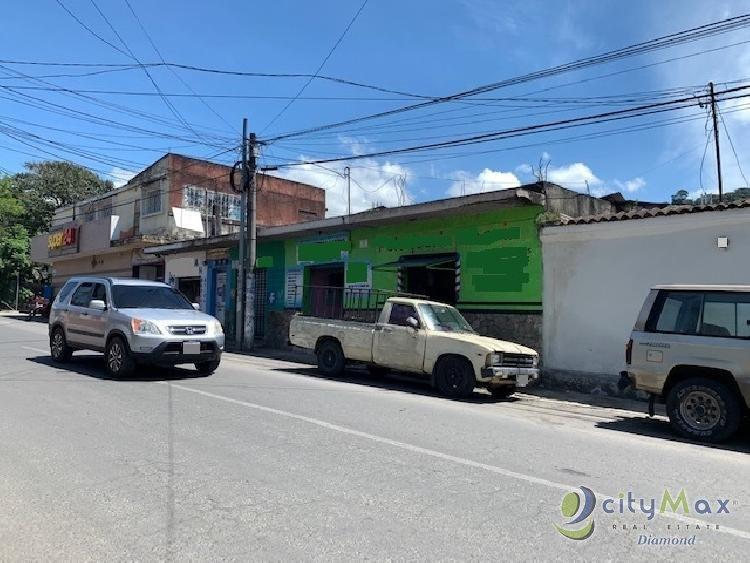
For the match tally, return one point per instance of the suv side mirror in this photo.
(97, 305)
(197, 306)
(412, 322)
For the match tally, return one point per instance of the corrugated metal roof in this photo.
(649, 213)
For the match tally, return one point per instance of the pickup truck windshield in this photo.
(148, 297)
(443, 318)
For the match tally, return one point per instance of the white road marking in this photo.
(35, 349)
(440, 455)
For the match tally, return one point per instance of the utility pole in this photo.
(249, 337)
(18, 284)
(239, 321)
(716, 139)
(348, 172)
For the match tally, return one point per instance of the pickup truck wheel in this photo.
(454, 377)
(118, 359)
(703, 409)
(58, 346)
(331, 359)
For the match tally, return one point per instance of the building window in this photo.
(203, 200)
(151, 202)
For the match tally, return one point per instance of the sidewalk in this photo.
(605, 401)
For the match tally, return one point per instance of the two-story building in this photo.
(176, 198)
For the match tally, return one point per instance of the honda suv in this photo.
(132, 322)
(690, 348)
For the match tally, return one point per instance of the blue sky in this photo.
(415, 46)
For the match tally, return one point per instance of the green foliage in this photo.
(27, 202)
(45, 186)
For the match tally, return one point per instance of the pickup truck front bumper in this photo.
(521, 377)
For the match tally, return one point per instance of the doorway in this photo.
(326, 291)
(431, 275)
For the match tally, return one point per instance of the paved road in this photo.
(265, 460)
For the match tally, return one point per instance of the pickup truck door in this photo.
(395, 344)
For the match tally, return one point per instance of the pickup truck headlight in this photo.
(140, 326)
(217, 328)
(494, 359)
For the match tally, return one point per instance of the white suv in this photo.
(132, 322)
(690, 347)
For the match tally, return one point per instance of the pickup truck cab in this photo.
(421, 337)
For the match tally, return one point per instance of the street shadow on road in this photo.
(93, 366)
(660, 428)
(394, 381)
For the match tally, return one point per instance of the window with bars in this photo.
(151, 202)
(200, 199)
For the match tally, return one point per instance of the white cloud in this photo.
(486, 181)
(630, 186)
(524, 169)
(120, 176)
(573, 176)
(373, 183)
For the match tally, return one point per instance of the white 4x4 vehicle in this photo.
(690, 347)
(133, 322)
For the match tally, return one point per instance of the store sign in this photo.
(64, 239)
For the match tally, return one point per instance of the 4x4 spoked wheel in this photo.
(58, 346)
(704, 409)
(118, 359)
(454, 377)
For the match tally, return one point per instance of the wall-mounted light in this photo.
(722, 242)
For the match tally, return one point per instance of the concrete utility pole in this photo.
(716, 139)
(239, 321)
(249, 337)
(348, 172)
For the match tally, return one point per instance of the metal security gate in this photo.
(261, 299)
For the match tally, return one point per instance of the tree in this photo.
(14, 242)
(680, 198)
(47, 185)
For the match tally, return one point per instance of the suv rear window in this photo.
(148, 297)
(718, 314)
(676, 312)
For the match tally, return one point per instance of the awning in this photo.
(434, 262)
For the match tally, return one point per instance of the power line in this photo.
(133, 56)
(637, 111)
(667, 41)
(210, 70)
(320, 67)
(174, 73)
(731, 144)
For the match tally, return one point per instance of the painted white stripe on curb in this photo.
(440, 455)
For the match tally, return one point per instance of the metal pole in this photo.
(239, 321)
(348, 172)
(716, 140)
(249, 338)
(18, 284)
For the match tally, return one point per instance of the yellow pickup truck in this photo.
(421, 337)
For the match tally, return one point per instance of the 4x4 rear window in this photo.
(676, 312)
(718, 314)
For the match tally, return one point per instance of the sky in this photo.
(119, 119)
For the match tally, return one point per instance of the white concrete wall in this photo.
(597, 276)
(183, 265)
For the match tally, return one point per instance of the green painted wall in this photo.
(500, 252)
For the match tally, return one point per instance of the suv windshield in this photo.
(148, 297)
(443, 318)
